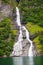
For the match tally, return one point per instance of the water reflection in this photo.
(18, 61)
(28, 61)
(31, 61)
(22, 61)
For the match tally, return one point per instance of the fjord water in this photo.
(22, 61)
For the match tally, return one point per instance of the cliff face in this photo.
(5, 10)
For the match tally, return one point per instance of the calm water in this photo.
(22, 61)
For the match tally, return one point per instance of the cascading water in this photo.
(30, 52)
(18, 17)
(17, 49)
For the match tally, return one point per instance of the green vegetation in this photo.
(32, 17)
(33, 28)
(32, 11)
(7, 37)
(7, 32)
(14, 32)
(39, 43)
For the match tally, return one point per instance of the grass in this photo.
(33, 28)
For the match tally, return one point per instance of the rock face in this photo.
(24, 42)
(25, 45)
(24, 34)
(1, 18)
(0, 3)
(6, 10)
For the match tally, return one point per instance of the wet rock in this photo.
(24, 34)
(25, 42)
(25, 50)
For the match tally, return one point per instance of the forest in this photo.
(31, 16)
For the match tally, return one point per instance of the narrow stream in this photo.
(17, 48)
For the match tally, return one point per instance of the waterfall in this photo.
(18, 17)
(17, 48)
(30, 51)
